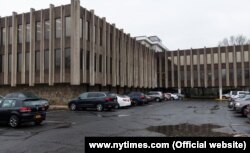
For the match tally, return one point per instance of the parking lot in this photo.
(65, 131)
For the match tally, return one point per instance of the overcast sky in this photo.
(179, 23)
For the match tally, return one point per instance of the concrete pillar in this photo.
(205, 67)
(198, 68)
(185, 69)
(235, 66)
(42, 48)
(172, 69)
(220, 93)
(135, 63)
(160, 70)
(75, 45)
(114, 57)
(32, 48)
(84, 46)
(212, 65)
(97, 50)
(51, 47)
(227, 67)
(23, 49)
(178, 69)
(104, 54)
(243, 82)
(62, 45)
(6, 52)
(179, 90)
(118, 48)
(14, 50)
(129, 62)
(192, 67)
(166, 69)
(219, 69)
(108, 55)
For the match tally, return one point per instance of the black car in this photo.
(98, 100)
(138, 98)
(28, 96)
(17, 111)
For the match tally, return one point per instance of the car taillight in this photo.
(108, 99)
(142, 97)
(25, 109)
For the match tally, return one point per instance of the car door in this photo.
(82, 100)
(91, 98)
(6, 109)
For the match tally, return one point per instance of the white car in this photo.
(123, 101)
(174, 96)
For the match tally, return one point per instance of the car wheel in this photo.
(14, 121)
(244, 111)
(117, 106)
(99, 107)
(172, 98)
(38, 122)
(158, 100)
(73, 107)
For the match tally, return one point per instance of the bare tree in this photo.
(235, 40)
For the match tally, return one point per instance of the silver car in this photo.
(241, 104)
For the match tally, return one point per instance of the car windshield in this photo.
(30, 95)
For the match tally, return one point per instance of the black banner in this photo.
(165, 144)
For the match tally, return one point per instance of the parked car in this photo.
(173, 96)
(180, 96)
(123, 101)
(156, 95)
(149, 98)
(98, 100)
(226, 96)
(241, 105)
(138, 98)
(167, 96)
(231, 104)
(28, 96)
(17, 111)
(237, 94)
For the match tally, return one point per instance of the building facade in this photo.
(71, 45)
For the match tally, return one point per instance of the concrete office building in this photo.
(70, 47)
(205, 71)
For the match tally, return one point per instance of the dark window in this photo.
(9, 65)
(27, 61)
(100, 63)
(20, 34)
(1, 63)
(83, 96)
(81, 59)
(3, 36)
(101, 36)
(8, 103)
(67, 58)
(81, 27)
(68, 26)
(92, 95)
(46, 30)
(57, 58)
(10, 35)
(37, 60)
(95, 62)
(88, 60)
(88, 31)
(46, 59)
(100, 95)
(58, 28)
(19, 62)
(111, 39)
(28, 33)
(38, 31)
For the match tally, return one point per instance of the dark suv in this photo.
(98, 100)
(17, 111)
(138, 98)
(28, 96)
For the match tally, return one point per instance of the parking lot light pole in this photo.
(179, 90)
(220, 93)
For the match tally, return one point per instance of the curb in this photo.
(58, 107)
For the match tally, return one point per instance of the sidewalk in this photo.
(58, 107)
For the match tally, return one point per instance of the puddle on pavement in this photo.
(189, 130)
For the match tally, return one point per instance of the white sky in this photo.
(179, 23)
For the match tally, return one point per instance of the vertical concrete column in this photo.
(151, 68)
(32, 48)
(227, 67)
(114, 57)
(178, 69)
(160, 70)
(51, 46)
(104, 54)
(166, 69)
(185, 69)
(192, 67)
(120, 58)
(146, 67)
(199, 68)
(179, 90)
(84, 45)
(155, 67)
(118, 48)
(97, 49)
(14, 50)
(75, 45)
(6, 52)
(128, 61)
(23, 49)
(235, 66)
(212, 65)
(135, 64)
(62, 45)
(124, 61)
(205, 67)
(42, 47)
(172, 69)
(220, 93)
(108, 55)
(219, 69)
(243, 83)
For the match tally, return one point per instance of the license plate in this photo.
(38, 116)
